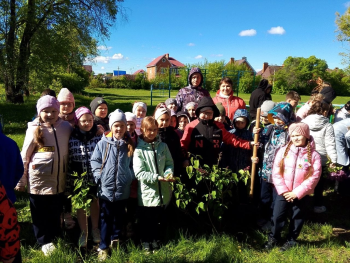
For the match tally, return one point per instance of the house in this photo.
(140, 71)
(268, 70)
(88, 68)
(158, 64)
(242, 61)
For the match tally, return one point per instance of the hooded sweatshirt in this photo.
(323, 133)
(231, 103)
(191, 93)
(258, 96)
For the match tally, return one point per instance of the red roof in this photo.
(140, 71)
(88, 68)
(173, 62)
(270, 70)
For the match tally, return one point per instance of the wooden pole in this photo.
(255, 154)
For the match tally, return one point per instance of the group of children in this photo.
(131, 160)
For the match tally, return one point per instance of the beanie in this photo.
(160, 111)
(183, 114)
(117, 115)
(170, 101)
(139, 104)
(191, 104)
(130, 117)
(81, 111)
(266, 107)
(328, 94)
(301, 128)
(221, 109)
(66, 96)
(95, 103)
(47, 101)
(283, 111)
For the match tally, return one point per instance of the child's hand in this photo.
(252, 143)
(332, 165)
(100, 130)
(289, 196)
(256, 130)
(255, 159)
(20, 188)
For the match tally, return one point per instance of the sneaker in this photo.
(146, 247)
(289, 244)
(102, 254)
(82, 240)
(114, 243)
(271, 243)
(320, 209)
(69, 221)
(96, 235)
(48, 249)
(155, 246)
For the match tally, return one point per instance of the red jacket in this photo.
(231, 104)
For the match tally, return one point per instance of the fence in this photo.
(159, 91)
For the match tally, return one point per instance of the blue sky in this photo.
(190, 31)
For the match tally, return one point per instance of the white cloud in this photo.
(117, 56)
(101, 59)
(191, 44)
(104, 48)
(347, 4)
(102, 67)
(198, 57)
(277, 30)
(247, 33)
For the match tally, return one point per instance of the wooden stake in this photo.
(255, 154)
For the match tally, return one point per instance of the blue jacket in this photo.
(11, 165)
(342, 141)
(115, 178)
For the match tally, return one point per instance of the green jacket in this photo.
(147, 174)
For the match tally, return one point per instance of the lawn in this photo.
(325, 237)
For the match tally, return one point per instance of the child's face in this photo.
(118, 129)
(173, 121)
(220, 119)
(172, 106)
(130, 126)
(196, 79)
(66, 107)
(225, 88)
(206, 115)
(192, 111)
(278, 121)
(140, 112)
(240, 124)
(49, 115)
(163, 121)
(150, 133)
(183, 121)
(86, 122)
(264, 120)
(101, 111)
(298, 139)
(292, 102)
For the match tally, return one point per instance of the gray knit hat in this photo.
(266, 107)
(117, 115)
(170, 101)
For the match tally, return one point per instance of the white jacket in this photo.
(323, 133)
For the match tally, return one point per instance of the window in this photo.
(162, 70)
(163, 60)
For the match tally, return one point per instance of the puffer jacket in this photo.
(296, 165)
(342, 141)
(341, 114)
(112, 168)
(45, 169)
(323, 133)
(191, 93)
(147, 172)
(231, 103)
(302, 112)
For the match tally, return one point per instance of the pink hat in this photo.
(81, 111)
(301, 128)
(47, 101)
(66, 96)
(130, 117)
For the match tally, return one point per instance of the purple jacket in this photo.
(190, 93)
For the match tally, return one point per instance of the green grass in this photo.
(319, 240)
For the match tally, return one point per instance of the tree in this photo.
(343, 29)
(27, 26)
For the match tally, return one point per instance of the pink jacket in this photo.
(295, 170)
(45, 169)
(302, 112)
(231, 104)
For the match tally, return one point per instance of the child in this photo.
(99, 109)
(225, 95)
(342, 113)
(67, 104)
(171, 104)
(182, 120)
(258, 96)
(323, 133)
(190, 109)
(264, 120)
(302, 112)
(44, 155)
(173, 119)
(153, 166)
(293, 98)
(82, 143)
(140, 110)
(296, 171)
(277, 136)
(111, 165)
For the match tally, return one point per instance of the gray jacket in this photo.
(342, 141)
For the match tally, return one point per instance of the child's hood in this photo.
(239, 114)
(192, 71)
(316, 122)
(207, 102)
(108, 137)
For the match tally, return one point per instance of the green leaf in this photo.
(178, 203)
(197, 210)
(179, 187)
(196, 164)
(201, 206)
(213, 194)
